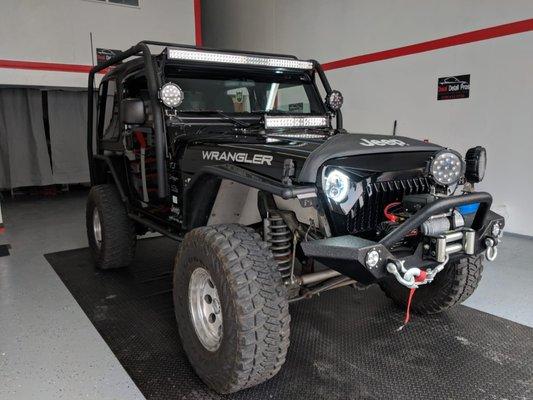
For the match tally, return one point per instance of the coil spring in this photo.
(279, 237)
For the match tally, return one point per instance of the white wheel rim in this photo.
(97, 228)
(205, 309)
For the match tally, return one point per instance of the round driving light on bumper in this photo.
(336, 185)
(476, 164)
(171, 95)
(496, 230)
(447, 167)
(372, 258)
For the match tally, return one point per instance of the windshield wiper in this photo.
(221, 113)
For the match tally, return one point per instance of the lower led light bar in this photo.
(228, 58)
(295, 122)
(293, 135)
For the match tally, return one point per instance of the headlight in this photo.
(171, 95)
(336, 185)
(447, 167)
(476, 163)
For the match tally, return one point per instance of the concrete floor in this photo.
(50, 350)
(48, 347)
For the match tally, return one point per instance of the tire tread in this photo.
(118, 230)
(260, 301)
(452, 286)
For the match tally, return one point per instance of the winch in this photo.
(445, 233)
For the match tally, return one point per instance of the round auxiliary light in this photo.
(372, 258)
(447, 167)
(476, 164)
(171, 95)
(336, 185)
(334, 100)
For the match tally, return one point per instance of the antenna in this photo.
(92, 46)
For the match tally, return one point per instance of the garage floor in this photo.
(49, 349)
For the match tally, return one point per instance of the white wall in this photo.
(57, 31)
(498, 114)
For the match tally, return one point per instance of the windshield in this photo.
(271, 93)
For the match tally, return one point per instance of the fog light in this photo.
(476, 164)
(372, 258)
(334, 100)
(447, 167)
(171, 95)
(496, 230)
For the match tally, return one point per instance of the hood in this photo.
(309, 155)
(355, 144)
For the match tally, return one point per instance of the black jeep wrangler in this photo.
(243, 159)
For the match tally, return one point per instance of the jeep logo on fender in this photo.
(382, 142)
(237, 157)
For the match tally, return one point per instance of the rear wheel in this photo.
(110, 232)
(453, 285)
(231, 307)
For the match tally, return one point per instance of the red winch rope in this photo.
(391, 217)
(419, 278)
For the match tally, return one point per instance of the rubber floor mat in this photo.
(344, 343)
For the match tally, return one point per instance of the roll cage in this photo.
(153, 67)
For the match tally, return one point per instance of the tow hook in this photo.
(492, 250)
(412, 278)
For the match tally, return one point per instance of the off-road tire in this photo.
(453, 285)
(118, 231)
(255, 309)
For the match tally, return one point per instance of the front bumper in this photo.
(347, 254)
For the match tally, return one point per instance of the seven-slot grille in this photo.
(368, 210)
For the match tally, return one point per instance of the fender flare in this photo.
(252, 179)
(243, 176)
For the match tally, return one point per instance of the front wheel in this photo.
(231, 307)
(453, 285)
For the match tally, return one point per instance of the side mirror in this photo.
(132, 111)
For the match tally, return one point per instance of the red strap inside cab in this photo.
(140, 138)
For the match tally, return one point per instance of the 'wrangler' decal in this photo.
(237, 157)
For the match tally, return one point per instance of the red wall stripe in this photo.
(463, 38)
(198, 22)
(45, 66)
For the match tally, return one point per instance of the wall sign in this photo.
(102, 55)
(453, 87)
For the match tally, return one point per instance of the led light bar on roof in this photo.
(228, 58)
(295, 122)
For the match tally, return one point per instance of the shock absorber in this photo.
(278, 235)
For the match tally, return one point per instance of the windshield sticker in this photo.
(453, 87)
(296, 107)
